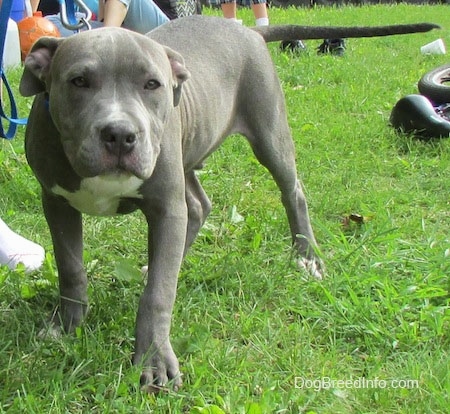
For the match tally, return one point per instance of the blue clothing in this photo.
(142, 16)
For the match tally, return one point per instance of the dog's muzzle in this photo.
(118, 138)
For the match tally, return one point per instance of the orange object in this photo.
(31, 29)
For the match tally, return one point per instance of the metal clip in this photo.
(69, 19)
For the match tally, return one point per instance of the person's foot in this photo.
(15, 249)
(294, 46)
(333, 46)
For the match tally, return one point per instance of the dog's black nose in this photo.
(118, 138)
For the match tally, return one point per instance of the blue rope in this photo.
(5, 11)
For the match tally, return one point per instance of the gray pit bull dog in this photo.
(121, 121)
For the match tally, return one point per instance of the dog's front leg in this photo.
(66, 230)
(167, 234)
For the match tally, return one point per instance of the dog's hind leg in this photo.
(199, 206)
(271, 141)
(281, 165)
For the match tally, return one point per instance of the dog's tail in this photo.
(287, 32)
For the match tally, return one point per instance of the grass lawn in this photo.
(253, 334)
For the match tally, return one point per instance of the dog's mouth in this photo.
(130, 164)
(95, 160)
(123, 165)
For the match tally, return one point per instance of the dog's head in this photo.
(111, 93)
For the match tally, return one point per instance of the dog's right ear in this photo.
(37, 66)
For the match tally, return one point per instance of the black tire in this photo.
(435, 85)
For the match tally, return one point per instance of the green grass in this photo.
(247, 325)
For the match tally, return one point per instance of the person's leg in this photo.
(115, 12)
(143, 16)
(228, 9)
(15, 249)
(259, 8)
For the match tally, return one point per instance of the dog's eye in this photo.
(152, 84)
(80, 82)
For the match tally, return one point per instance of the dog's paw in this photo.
(161, 371)
(164, 379)
(313, 266)
(151, 386)
(50, 332)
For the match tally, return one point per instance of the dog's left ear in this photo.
(179, 73)
(37, 66)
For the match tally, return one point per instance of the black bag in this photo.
(188, 7)
(179, 8)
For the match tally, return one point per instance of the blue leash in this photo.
(13, 119)
(68, 18)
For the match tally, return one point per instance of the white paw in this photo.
(51, 332)
(313, 266)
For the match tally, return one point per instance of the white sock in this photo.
(262, 21)
(15, 249)
(234, 19)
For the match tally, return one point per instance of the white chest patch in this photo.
(100, 196)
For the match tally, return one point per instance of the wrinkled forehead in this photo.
(111, 48)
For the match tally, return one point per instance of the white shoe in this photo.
(15, 249)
